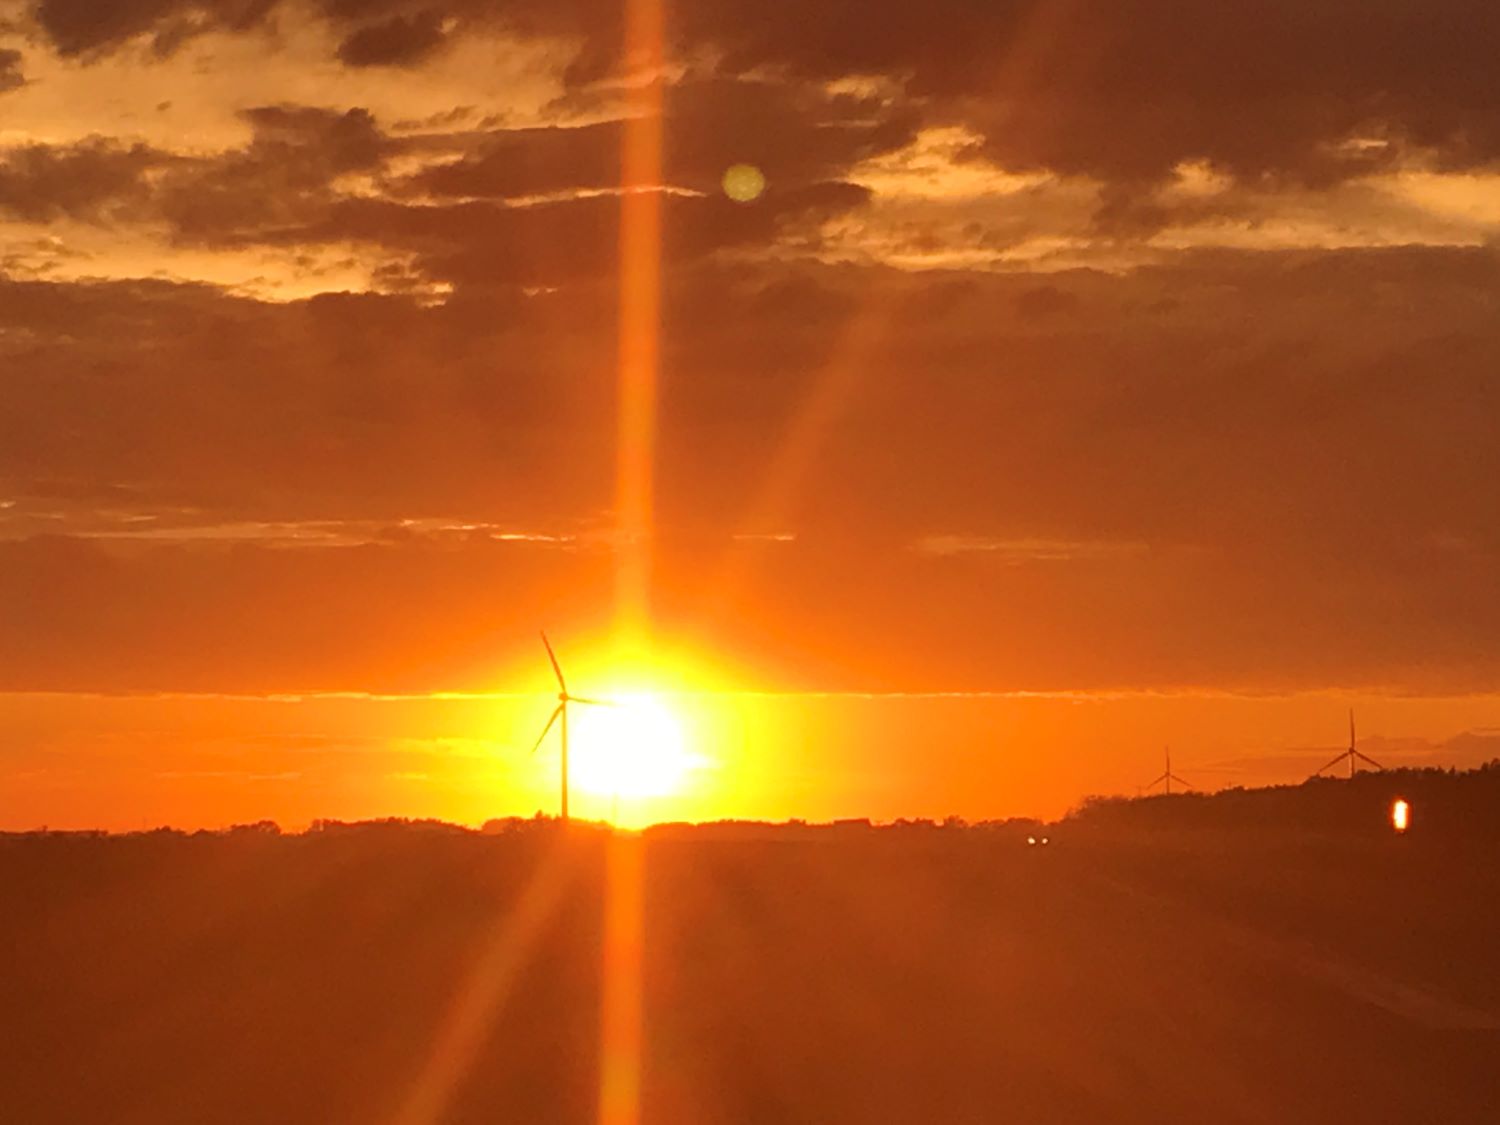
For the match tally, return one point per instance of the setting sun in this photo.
(633, 750)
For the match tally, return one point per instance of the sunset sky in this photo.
(1089, 377)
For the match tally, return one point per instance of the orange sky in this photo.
(1084, 379)
(207, 761)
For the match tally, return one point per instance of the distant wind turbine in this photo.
(561, 714)
(1168, 777)
(1352, 754)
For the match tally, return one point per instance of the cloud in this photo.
(11, 76)
(92, 181)
(570, 240)
(282, 178)
(311, 178)
(294, 156)
(1127, 92)
(80, 27)
(796, 134)
(398, 41)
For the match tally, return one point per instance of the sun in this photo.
(632, 749)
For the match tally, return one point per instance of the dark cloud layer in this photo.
(459, 224)
(1343, 398)
(417, 617)
(1262, 470)
(1249, 468)
(1122, 91)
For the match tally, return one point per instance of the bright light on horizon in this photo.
(1400, 815)
(634, 750)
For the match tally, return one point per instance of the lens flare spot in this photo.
(744, 183)
(1400, 815)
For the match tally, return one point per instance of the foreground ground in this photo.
(407, 975)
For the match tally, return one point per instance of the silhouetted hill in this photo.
(1445, 804)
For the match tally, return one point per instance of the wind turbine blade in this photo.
(1331, 764)
(592, 702)
(1157, 782)
(1366, 758)
(547, 729)
(556, 667)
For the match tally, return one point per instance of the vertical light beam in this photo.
(640, 315)
(621, 1018)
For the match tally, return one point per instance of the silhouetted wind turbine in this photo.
(1353, 754)
(1168, 777)
(561, 713)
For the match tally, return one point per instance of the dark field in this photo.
(398, 974)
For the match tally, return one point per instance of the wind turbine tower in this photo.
(1352, 754)
(560, 717)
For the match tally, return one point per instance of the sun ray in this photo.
(483, 993)
(819, 410)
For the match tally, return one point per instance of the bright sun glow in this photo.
(1400, 815)
(633, 750)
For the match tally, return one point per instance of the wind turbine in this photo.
(1168, 777)
(1353, 754)
(561, 714)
